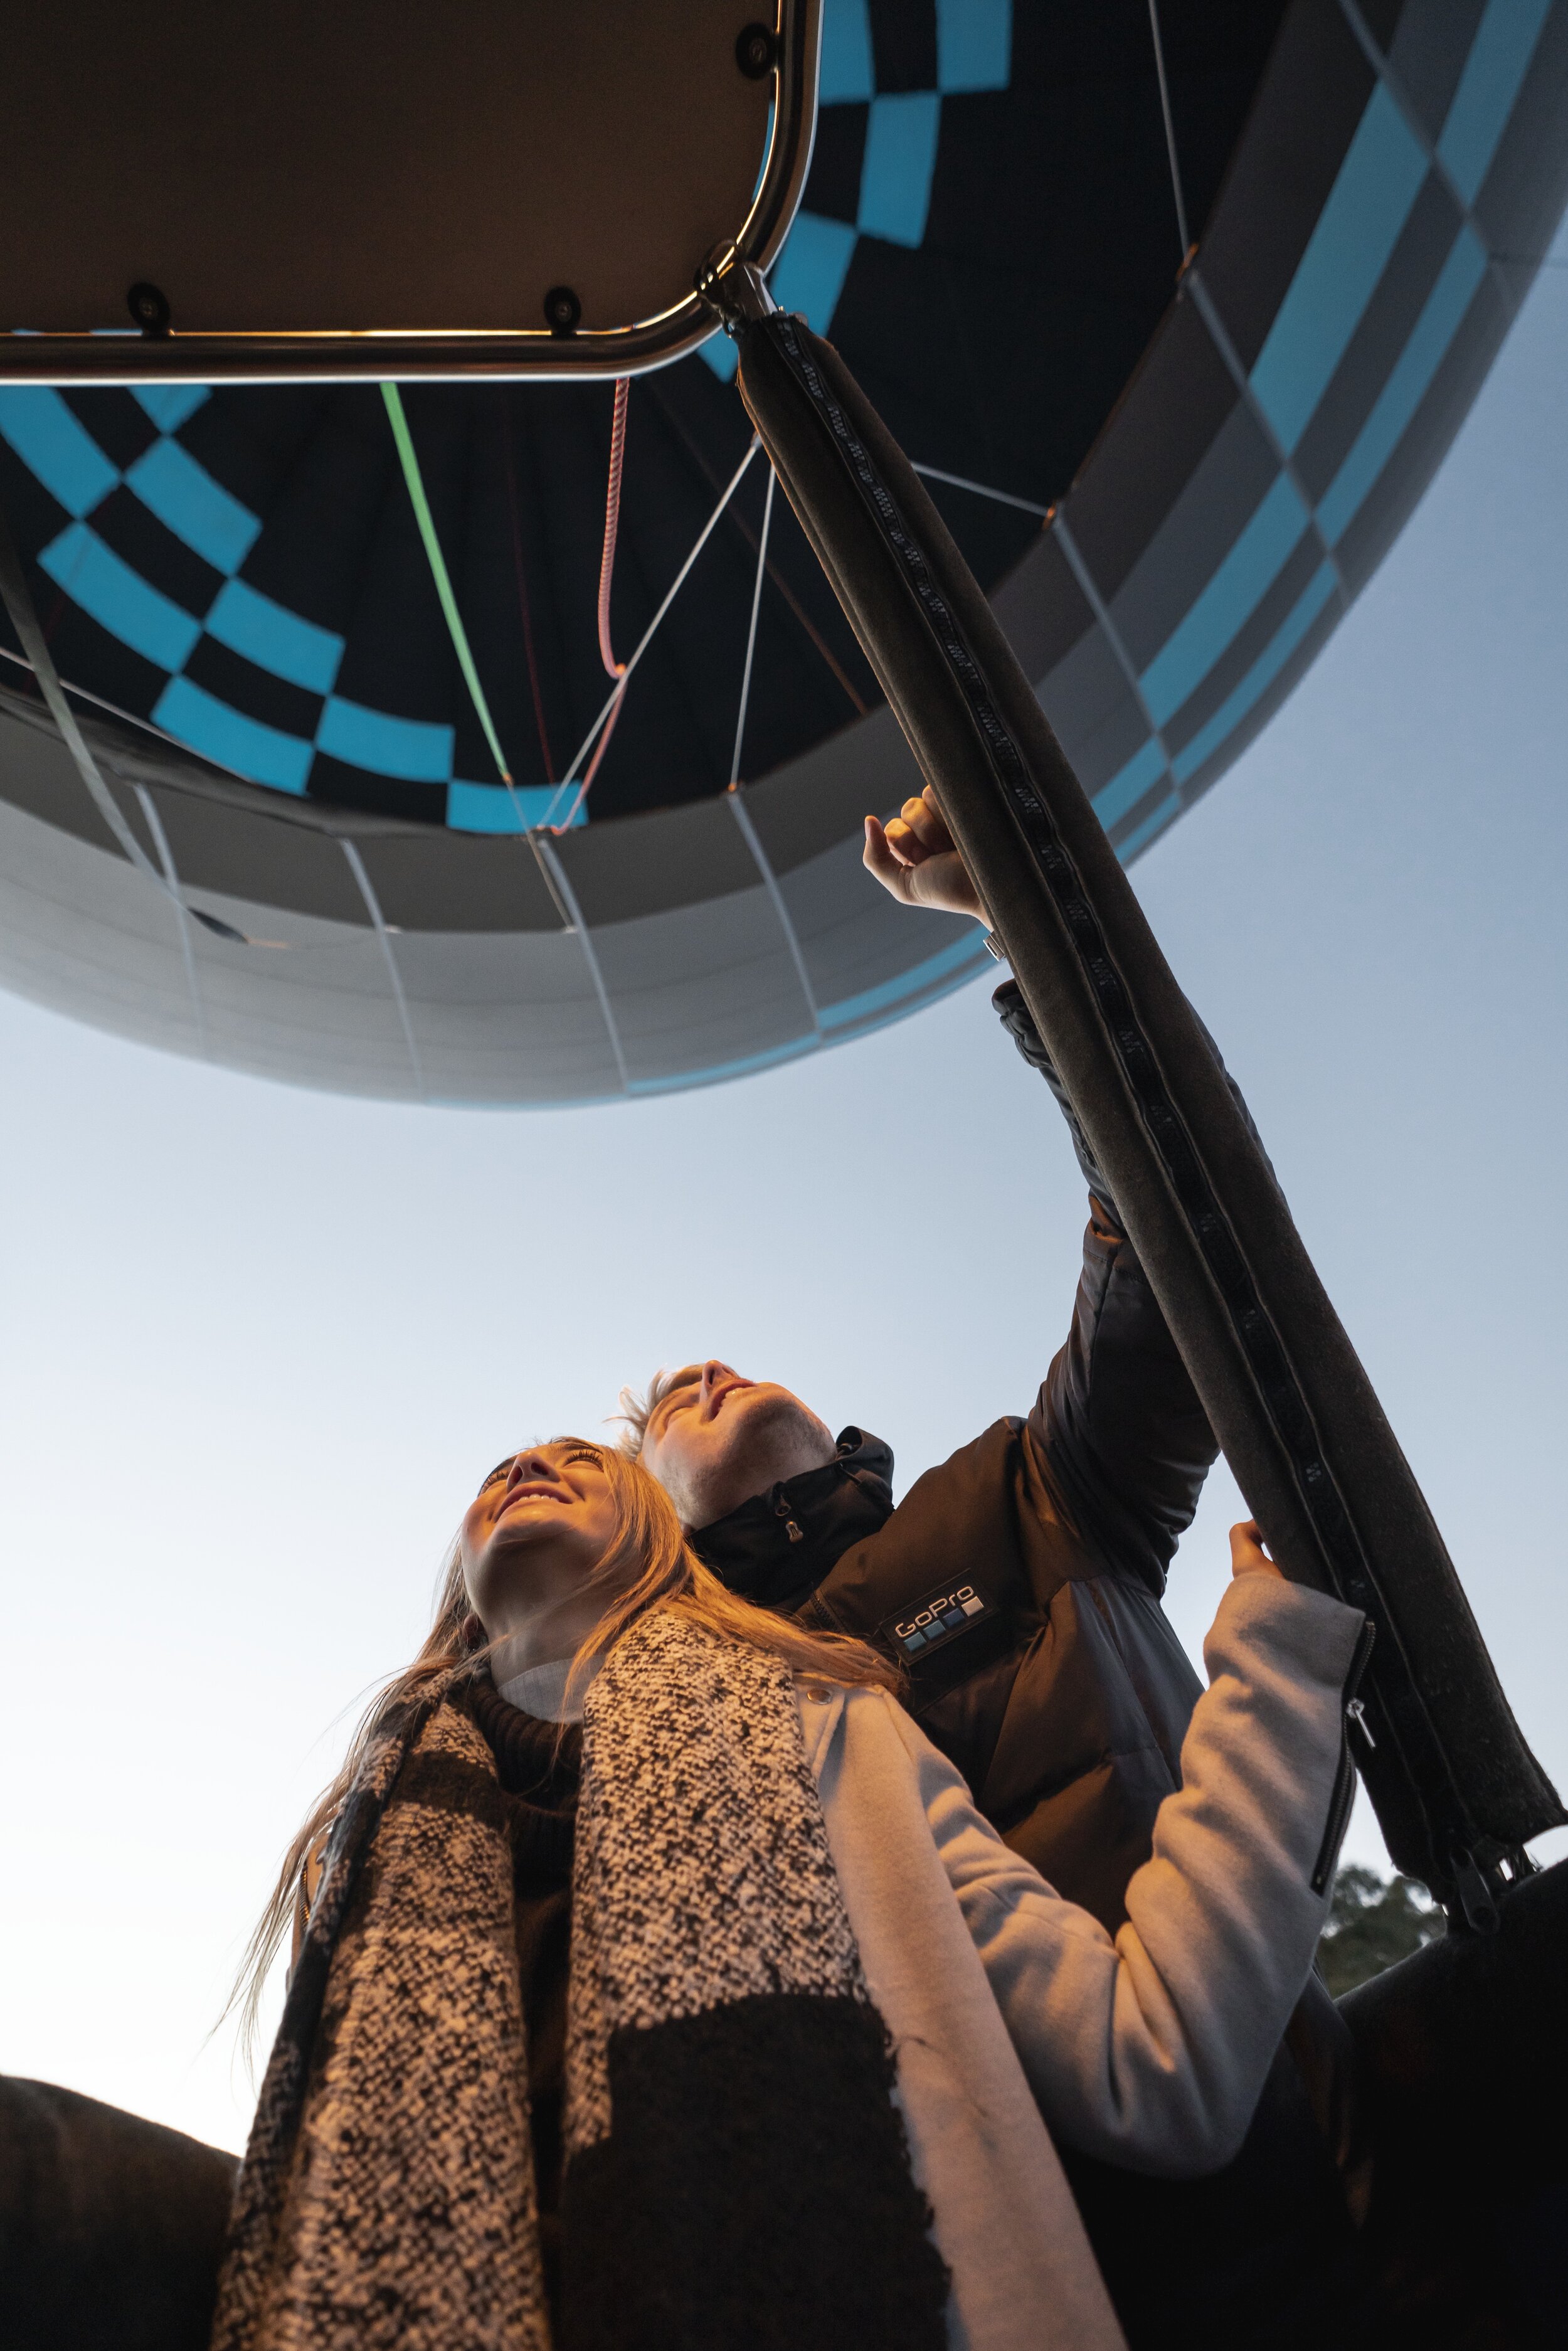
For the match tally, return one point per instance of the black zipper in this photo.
(1344, 1794)
(783, 1509)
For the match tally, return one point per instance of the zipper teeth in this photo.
(1344, 1794)
(1339, 1814)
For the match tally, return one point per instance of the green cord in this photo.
(422, 515)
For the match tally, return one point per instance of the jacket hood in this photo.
(776, 1549)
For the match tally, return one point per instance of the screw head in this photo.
(149, 306)
(757, 51)
(562, 310)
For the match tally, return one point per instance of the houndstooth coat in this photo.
(744, 1950)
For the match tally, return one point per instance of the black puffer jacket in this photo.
(1020, 1584)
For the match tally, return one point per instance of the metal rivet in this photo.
(149, 306)
(562, 310)
(757, 51)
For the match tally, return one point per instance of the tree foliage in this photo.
(1374, 1922)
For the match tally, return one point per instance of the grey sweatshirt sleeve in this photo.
(1151, 2050)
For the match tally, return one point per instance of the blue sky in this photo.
(259, 1343)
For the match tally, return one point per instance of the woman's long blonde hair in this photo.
(649, 1565)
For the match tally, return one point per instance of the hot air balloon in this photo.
(1176, 342)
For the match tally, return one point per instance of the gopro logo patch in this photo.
(937, 1618)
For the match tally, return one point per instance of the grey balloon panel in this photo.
(737, 999)
(647, 864)
(1042, 607)
(857, 943)
(1100, 720)
(429, 880)
(1428, 52)
(239, 854)
(819, 801)
(464, 997)
(81, 932)
(1092, 699)
(1285, 169)
(38, 775)
(1226, 487)
(504, 1020)
(496, 1016)
(320, 1006)
(1521, 197)
(1305, 576)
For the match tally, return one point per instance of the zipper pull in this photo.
(1472, 1896)
(1356, 1712)
(783, 1510)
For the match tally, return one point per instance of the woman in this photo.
(795, 2083)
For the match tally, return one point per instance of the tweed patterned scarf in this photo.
(736, 2173)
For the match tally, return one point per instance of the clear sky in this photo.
(260, 1344)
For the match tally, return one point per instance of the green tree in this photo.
(1374, 1922)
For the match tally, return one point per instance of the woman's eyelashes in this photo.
(573, 1453)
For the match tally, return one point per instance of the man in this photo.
(1019, 1583)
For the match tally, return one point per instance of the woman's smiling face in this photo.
(536, 1529)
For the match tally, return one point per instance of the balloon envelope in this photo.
(1172, 484)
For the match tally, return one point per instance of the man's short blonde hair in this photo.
(638, 1406)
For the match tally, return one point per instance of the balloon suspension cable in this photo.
(523, 607)
(981, 489)
(126, 717)
(792, 603)
(426, 521)
(611, 708)
(1170, 129)
(751, 633)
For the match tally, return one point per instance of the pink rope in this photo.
(612, 524)
(606, 574)
(599, 749)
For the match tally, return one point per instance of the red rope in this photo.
(606, 574)
(599, 749)
(612, 524)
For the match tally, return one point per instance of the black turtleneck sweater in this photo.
(540, 1783)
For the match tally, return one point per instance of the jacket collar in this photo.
(776, 1549)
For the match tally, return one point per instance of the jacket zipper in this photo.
(782, 1509)
(1344, 1794)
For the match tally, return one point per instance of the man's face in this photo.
(714, 1439)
